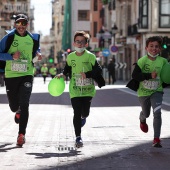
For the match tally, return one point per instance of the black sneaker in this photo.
(83, 121)
(79, 142)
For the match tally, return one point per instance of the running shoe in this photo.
(79, 142)
(83, 121)
(144, 127)
(157, 143)
(20, 140)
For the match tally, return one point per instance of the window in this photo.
(94, 29)
(112, 5)
(164, 17)
(83, 15)
(95, 4)
(143, 14)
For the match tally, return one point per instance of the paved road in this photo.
(112, 138)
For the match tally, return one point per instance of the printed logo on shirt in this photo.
(73, 63)
(146, 68)
(85, 62)
(28, 43)
(27, 84)
(15, 43)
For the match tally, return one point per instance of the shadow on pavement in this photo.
(142, 156)
(57, 155)
(5, 148)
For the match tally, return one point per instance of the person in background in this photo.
(44, 72)
(111, 70)
(82, 69)
(149, 86)
(2, 77)
(18, 48)
(35, 71)
(53, 71)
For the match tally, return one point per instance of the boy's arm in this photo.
(96, 70)
(138, 75)
(67, 70)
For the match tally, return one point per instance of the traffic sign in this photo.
(120, 65)
(106, 52)
(113, 49)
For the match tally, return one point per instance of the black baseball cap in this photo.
(21, 17)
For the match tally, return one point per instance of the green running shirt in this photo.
(53, 71)
(44, 70)
(23, 66)
(79, 87)
(148, 87)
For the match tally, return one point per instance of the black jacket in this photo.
(95, 74)
(138, 76)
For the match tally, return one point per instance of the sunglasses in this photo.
(21, 23)
(80, 42)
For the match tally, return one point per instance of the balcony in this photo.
(17, 7)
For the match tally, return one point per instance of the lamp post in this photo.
(101, 40)
(114, 31)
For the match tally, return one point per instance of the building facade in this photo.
(119, 26)
(57, 29)
(136, 21)
(9, 9)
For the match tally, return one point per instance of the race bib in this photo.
(151, 84)
(82, 82)
(19, 66)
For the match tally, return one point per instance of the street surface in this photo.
(112, 137)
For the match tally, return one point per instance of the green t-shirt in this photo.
(148, 87)
(79, 87)
(23, 66)
(53, 71)
(44, 70)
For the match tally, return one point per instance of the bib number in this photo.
(19, 66)
(151, 84)
(82, 82)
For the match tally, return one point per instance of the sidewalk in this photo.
(112, 138)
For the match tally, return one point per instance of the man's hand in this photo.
(39, 56)
(16, 55)
(60, 75)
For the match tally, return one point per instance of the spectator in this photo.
(111, 70)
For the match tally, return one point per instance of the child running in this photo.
(150, 90)
(82, 69)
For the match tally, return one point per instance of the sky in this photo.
(42, 16)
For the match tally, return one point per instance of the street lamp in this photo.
(100, 37)
(12, 20)
(104, 37)
(114, 31)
